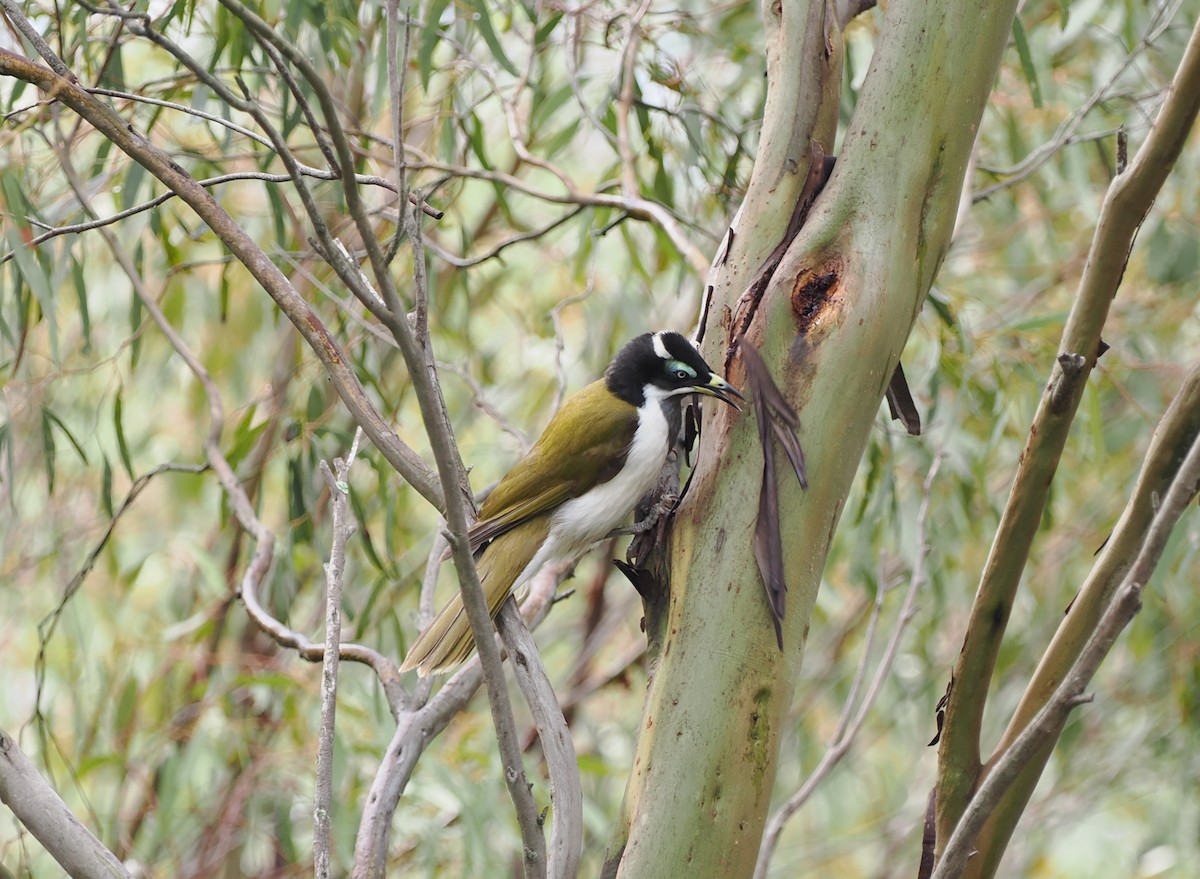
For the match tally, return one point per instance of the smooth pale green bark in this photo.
(801, 105)
(706, 758)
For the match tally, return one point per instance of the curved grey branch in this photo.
(46, 816)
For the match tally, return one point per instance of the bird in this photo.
(601, 453)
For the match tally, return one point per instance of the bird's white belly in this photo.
(584, 520)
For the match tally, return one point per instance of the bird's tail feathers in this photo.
(508, 561)
(448, 640)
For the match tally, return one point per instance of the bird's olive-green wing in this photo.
(584, 445)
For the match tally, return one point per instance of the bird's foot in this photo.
(664, 506)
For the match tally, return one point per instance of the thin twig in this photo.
(566, 793)
(49, 623)
(316, 173)
(466, 262)
(560, 342)
(638, 208)
(1065, 134)
(343, 529)
(397, 72)
(301, 99)
(633, 38)
(384, 668)
(572, 43)
(418, 726)
(479, 397)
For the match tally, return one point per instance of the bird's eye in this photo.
(680, 370)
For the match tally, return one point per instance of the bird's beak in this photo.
(721, 389)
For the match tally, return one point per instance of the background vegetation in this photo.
(186, 739)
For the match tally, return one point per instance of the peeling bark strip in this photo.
(901, 404)
(820, 169)
(775, 417)
(928, 838)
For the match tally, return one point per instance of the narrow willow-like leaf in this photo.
(127, 708)
(1027, 66)
(28, 265)
(57, 422)
(122, 443)
(132, 185)
(6, 448)
(48, 452)
(430, 37)
(360, 514)
(106, 498)
(547, 28)
(364, 618)
(484, 22)
(544, 109)
(85, 318)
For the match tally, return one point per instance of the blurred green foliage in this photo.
(187, 740)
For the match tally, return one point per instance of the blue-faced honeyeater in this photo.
(600, 454)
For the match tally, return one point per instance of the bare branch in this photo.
(343, 529)
(1046, 726)
(1128, 200)
(341, 374)
(42, 811)
(418, 727)
(566, 793)
(559, 342)
(385, 669)
(633, 38)
(413, 733)
(1066, 133)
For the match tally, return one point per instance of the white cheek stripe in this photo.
(659, 348)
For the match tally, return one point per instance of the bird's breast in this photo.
(584, 520)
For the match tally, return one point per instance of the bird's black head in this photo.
(663, 365)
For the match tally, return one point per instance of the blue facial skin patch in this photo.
(677, 367)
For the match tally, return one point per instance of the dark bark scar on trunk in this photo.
(813, 292)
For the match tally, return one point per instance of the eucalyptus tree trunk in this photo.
(830, 326)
